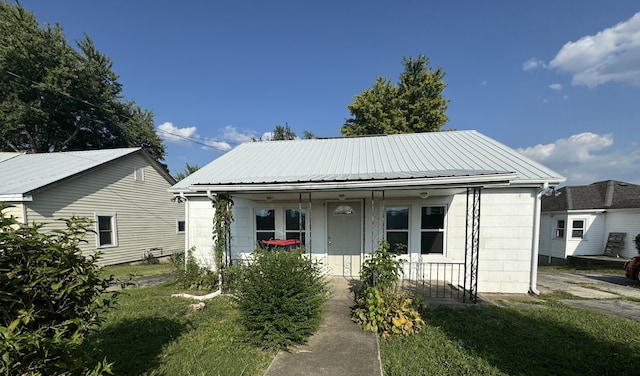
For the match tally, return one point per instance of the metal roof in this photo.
(431, 155)
(25, 173)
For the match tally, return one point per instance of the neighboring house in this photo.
(123, 190)
(577, 220)
(445, 200)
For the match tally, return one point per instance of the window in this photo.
(138, 174)
(180, 226)
(560, 227)
(577, 228)
(265, 224)
(106, 230)
(432, 230)
(397, 232)
(294, 224)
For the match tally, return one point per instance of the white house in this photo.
(458, 204)
(123, 190)
(578, 220)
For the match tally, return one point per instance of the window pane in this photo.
(265, 219)
(578, 224)
(104, 223)
(181, 225)
(398, 218)
(105, 238)
(296, 235)
(432, 217)
(293, 219)
(398, 241)
(432, 242)
(265, 235)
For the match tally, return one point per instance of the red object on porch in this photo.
(281, 242)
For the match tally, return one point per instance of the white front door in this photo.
(344, 237)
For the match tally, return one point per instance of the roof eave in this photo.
(500, 179)
(16, 198)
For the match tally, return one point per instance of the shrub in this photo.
(51, 297)
(379, 308)
(637, 241)
(192, 276)
(280, 298)
(387, 313)
(382, 271)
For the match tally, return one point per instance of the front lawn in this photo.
(148, 332)
(544, 339)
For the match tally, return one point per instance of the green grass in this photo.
(123, 271)
(541, 340)
(150, 333)
(585, 268)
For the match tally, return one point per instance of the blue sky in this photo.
(557, 80)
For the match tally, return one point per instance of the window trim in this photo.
(583, 229)
(442, 230)
(407, 230)
(138, 174)
(184, 225)
(558, 228)
(114, 229)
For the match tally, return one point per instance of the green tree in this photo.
(57, 98)
(188, 170)
(415, 104)
(283, 133)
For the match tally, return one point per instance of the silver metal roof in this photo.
(25, 173)
(457, 154)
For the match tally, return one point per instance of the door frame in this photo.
(361, 217)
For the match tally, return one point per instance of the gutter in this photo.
(533, 278)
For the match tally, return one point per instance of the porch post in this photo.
(472, 244)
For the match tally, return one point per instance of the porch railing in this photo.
(434, 279)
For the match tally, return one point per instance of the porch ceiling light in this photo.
(424, 195)
(269, 198)
(341, 197)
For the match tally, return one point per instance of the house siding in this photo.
(146, 216)
(506, 232)
(627, 221)
(16, 210)
(506, 240)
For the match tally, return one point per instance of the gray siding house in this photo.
(124, 191)
(459, 207)
(578, 220)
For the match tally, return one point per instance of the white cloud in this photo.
(585, 158)
(218, 145)
(557, 87)
(170, 132)
(611, 55)
(533, 64)
(231, 133)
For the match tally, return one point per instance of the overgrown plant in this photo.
(382, 270)
(637, 241)
(51, 297)
(387, 313)
(280, 298)
(379, 307)
(193, 276)
(222, 232)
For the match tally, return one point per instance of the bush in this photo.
(280, 298)
(193, 276)
(637, 241)
(379, 308)
(382, 271)
(51, 297)
(387, 313)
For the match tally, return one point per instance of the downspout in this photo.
(533, 281)
(186, 228)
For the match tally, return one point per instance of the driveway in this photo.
(606, 293)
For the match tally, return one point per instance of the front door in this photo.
(344, 237)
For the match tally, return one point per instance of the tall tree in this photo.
(188, 170)
(415, 104)
(57, 98)
(283, 133)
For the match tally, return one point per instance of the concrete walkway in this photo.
(340, 347)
